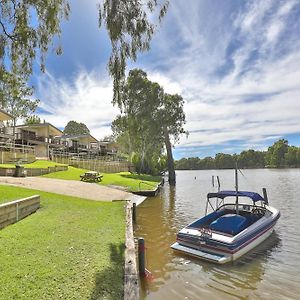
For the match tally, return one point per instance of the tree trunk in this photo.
(171, 168)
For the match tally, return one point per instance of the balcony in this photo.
(30, 136)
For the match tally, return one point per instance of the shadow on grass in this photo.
(142, 177)
(109, 283)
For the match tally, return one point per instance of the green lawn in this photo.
(70, 248)
(36, 164)
(124, 179)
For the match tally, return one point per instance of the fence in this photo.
(102, 164)
(15, 153)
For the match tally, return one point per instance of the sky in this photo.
(235, 63)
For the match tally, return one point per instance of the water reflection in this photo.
(268, 271)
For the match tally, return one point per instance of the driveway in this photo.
(91, 191)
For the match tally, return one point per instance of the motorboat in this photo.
(230, 228)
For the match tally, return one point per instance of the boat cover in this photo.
(231, 223)
(223, 194)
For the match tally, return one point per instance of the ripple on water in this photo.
(270, 271)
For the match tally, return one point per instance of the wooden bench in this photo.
(91, 176)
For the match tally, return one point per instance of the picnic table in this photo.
(91, 176)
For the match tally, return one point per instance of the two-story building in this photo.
(81, 143)
(41, 136)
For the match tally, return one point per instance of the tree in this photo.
(129, 26)
(291, 156)
(135, 128)
(16, 96)
(75, 128)
(33, 120)
(171, 118)
(150, 119)
(27, 29)
(276, 153)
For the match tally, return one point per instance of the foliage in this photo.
(75, 128)
(149, 117)
(26, 30)
(16, 96)
(70, 248)
(129, 26)
(276, 153)
(280, 154)
(33, 120)
(124, 179)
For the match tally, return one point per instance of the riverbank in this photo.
(51, 243)
(71, 248)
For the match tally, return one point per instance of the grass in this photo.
(70, 248)
(124, 179)
(37, 164)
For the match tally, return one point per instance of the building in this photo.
(6, 133)
(83, 144)
(42, 136)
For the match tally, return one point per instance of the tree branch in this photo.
(12, 37)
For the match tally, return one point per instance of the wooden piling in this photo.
(134, 213)
(141, 251)
(265, 195)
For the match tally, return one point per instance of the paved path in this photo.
(92, 191)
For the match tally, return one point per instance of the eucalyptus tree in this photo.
(150, 119)
(130, 25)
(136, 127)
(26, 30)
(171, 118)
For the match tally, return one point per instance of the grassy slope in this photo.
(124, 179)
(70, 249)
(36, 164)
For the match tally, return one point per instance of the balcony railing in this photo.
(30, 136)
(10, 147)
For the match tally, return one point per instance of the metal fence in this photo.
(105, 164)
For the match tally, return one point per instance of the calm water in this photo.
(270, 271)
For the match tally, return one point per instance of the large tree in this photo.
(172, 119)
(26, 30)
(130, 25)
(150, 119)
(75, 128)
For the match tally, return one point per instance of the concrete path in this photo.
(92, 191)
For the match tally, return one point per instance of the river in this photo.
(270, 271)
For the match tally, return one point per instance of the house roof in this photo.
(5, 115)
(78, 136)
(53, 130)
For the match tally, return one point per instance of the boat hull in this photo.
(220, 247)
(220, 257)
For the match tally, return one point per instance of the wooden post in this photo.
(237, 190)
(134, 212)
(265, 196)
(141, 250)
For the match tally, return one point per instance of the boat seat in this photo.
(230, 223)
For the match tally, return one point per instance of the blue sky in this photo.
(236, 64)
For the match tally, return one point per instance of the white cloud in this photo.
(258, 99)
(87, 99)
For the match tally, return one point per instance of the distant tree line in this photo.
(279, 155)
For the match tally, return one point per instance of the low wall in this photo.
(131, 277)
(33, 172)
(15, 211)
